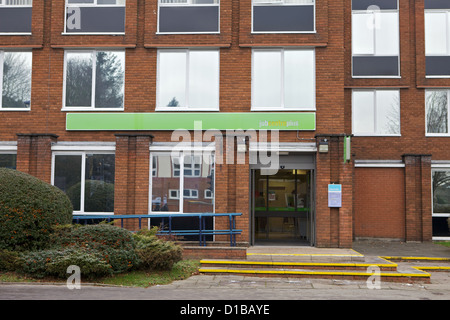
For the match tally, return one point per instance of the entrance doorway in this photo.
(283, 207)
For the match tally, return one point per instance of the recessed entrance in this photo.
(283, 207)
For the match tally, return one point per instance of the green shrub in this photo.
(29, 207)
(156, 254)
(113, 244)
(92, 265)
(54, 262)
(9, 261)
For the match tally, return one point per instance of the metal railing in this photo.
(201, 232)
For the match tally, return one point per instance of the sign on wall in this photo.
(209, 120)
(335, 195)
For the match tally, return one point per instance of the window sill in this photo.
(375, 135)
(284, 32)
(15, 33)
(16, 109)
(281, 109)
(93, 33)
(175, 109)
(187, 33)
(376, 77)
(437, 135)
(93, 109)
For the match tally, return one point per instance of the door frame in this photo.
(300, 166)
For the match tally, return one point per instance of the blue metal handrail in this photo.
(202, 232)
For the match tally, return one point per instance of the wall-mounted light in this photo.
(323, 146)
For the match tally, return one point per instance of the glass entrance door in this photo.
(282, 207)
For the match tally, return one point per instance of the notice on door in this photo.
(334, 195)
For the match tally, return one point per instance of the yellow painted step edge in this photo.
(416, 258)
(269, 263)
(423, 274)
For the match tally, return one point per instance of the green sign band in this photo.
(190, 121)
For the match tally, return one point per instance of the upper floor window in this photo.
(189, 16)
(283, 79)
(188, 79)
(279, 16)
(15, 80)
(437, 38)
(95, 16)
(15, 16)
(436, 109)
(375, 38)
(376, 112)
(94, 80)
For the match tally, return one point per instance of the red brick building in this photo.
(354, 95)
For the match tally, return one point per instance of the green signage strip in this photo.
(191, 121)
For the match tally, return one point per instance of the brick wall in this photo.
(379, 203)
(334, 85)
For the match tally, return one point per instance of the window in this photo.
(441, 202)
(16, 3)
(188, 16)
(376, 112)
(168, 181)
(436, 109)
(15, 80)
(437, 38)
(95, 16)
(94, 80)
(283, 16)
(15, 17)
(188, 80)
(87, 179)
(8, 160)
(283, 79)
(375, 40)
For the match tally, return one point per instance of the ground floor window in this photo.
(441, 202)
(88, 180)
(182, 182)
(8, 160)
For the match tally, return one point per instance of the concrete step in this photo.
(406, 275)
(303, 263)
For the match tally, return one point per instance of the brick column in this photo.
(232, 186)
(418, 222)
(34, 154)
(132, 177)
(334, 226)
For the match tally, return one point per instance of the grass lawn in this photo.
(181, 270)
(444, 243)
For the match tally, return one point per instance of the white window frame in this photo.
(180, 154)
(95, 4)
(185, 108)
(208, 196)
(94, 69)
(281, 106)
(83, 174)
(427, 134)
(188, 3)
(447, 30)
(2, 55)
(374, 12)
(375, 134)
(4, 5)
(434, 168)
(283, 3)
(9, 148)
